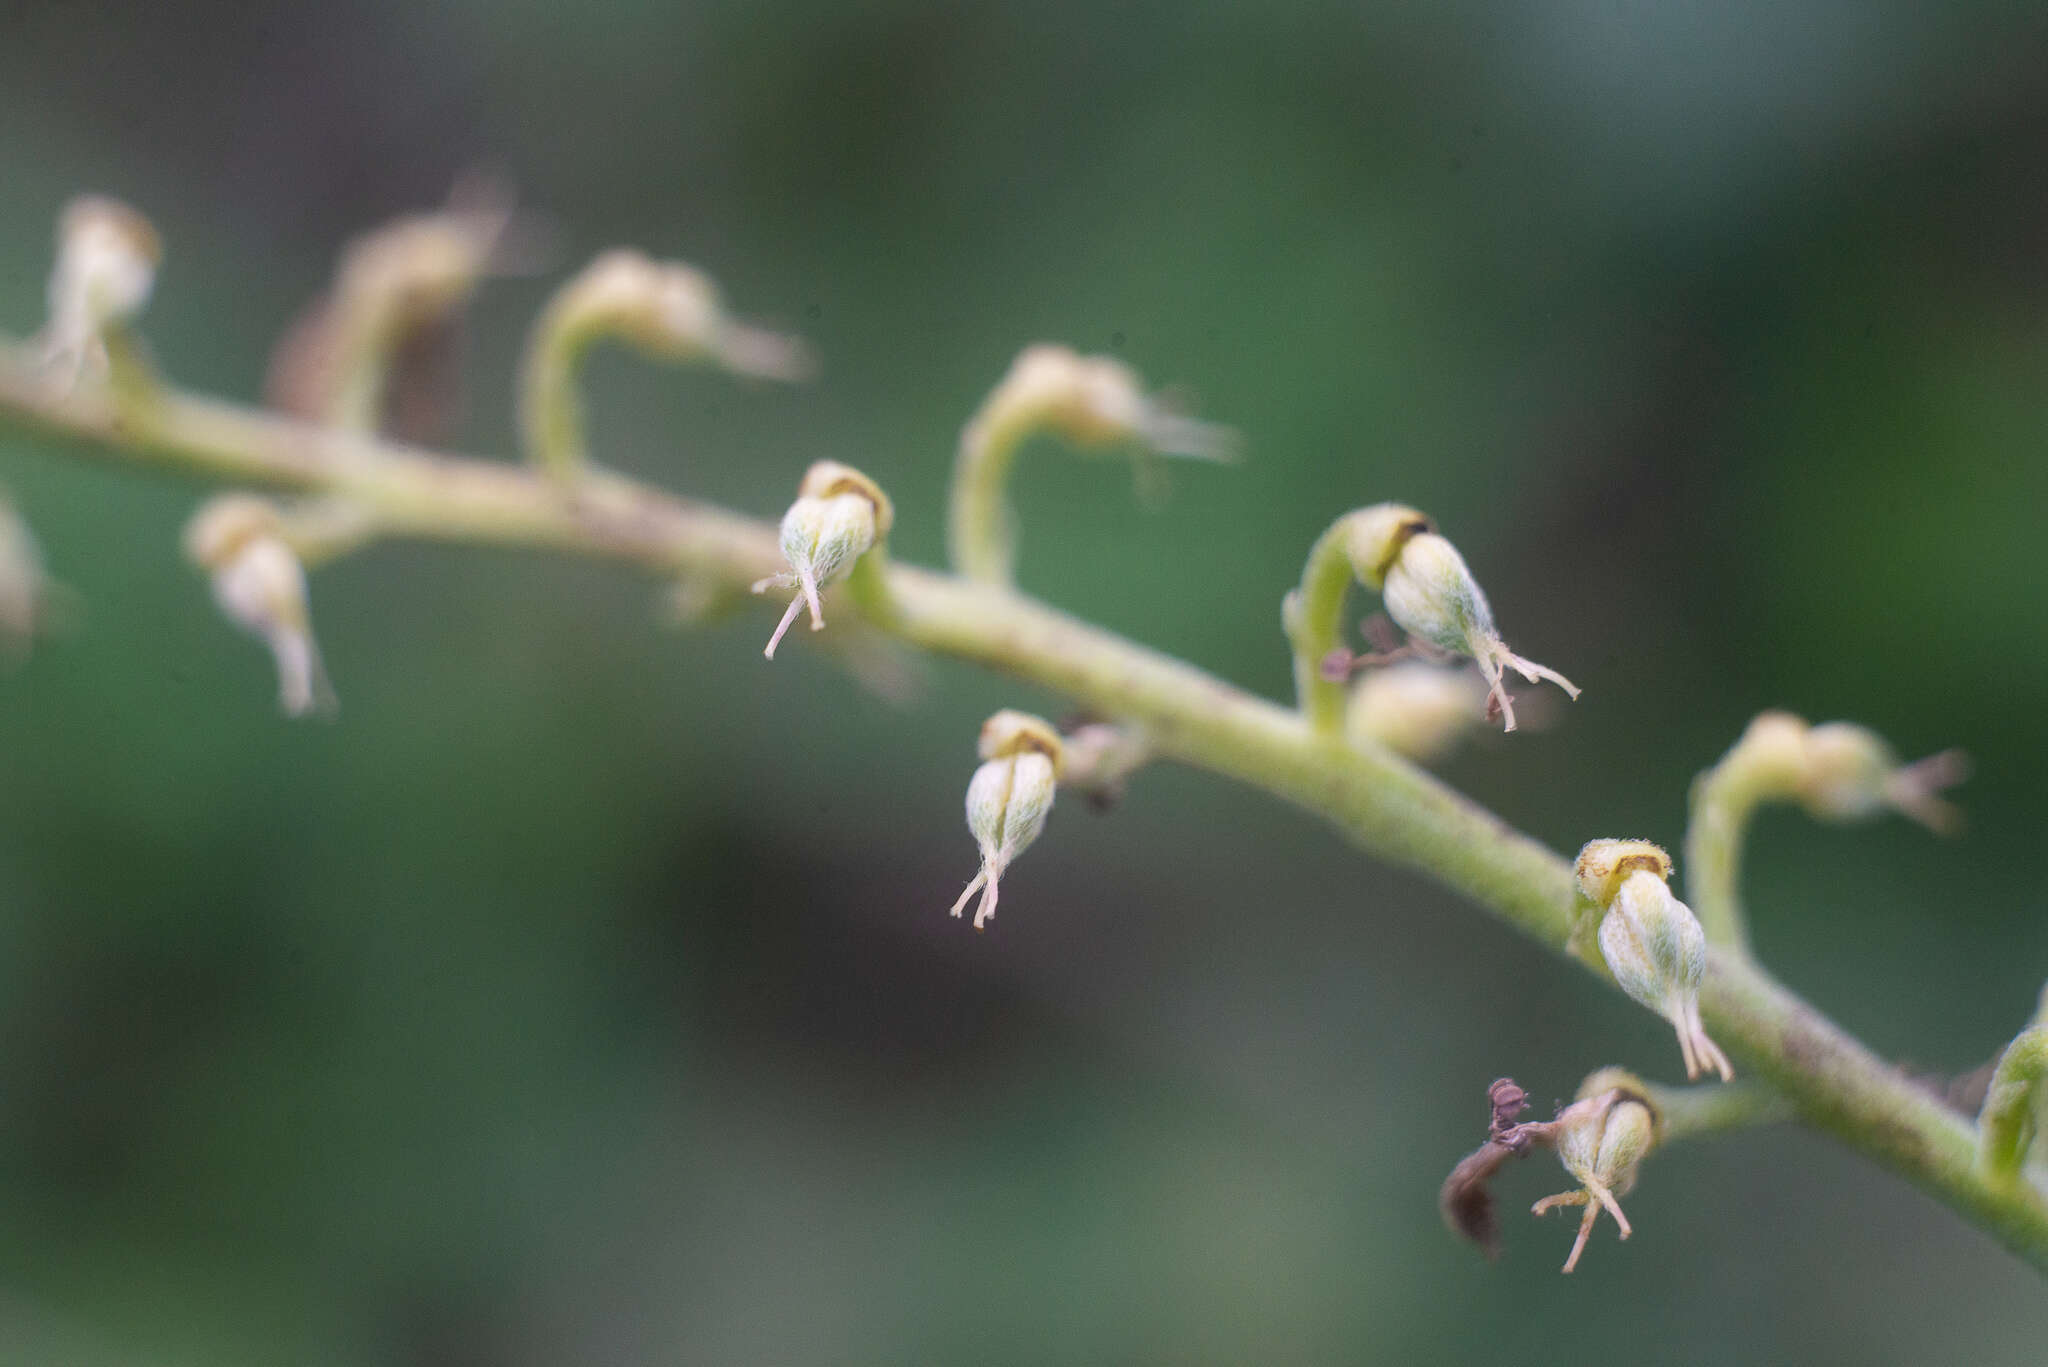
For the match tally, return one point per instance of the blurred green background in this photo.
(584, 993)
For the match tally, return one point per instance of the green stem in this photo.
(1724, 798)
(2006, 1124)
(980, 537)
(550, 398)
(1377, 800)
(1314, 618)
(1716, 1108)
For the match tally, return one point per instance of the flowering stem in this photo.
(550, 401)
(1763, 766)
(1379, 801)
(1715, 1108)
(1314, 618)
(979, 538)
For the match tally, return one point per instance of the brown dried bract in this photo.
(1466, 1199)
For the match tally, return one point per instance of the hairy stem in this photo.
(980, 538)
(1314, 618)
(1724, 799)
(550, 404)
(1385, 805)
(1716, 1108)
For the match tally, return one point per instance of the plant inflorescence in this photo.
(360, 366)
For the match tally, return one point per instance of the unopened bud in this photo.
(838, 516)
(261, 587)
(1602, 1139)
(1432, 595)
(107, 255)
(1092, 401)
(1651, 941)
(1851, 774)
(1008, 799)
(674, 312)
(1415, 708)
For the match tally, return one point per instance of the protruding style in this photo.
(1651, 941)
(107, 256)
(1428, 591)
(1097, 403)
(839, 516)
(1008, 799)
(261, 587)
(663, 309)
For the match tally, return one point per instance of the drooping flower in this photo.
(1092, 401)
(1430, 592)
(1851, 774)
(839, 515)
(1009, 799)
(260, 585)
(1651, 941)
(107, 255)
(1602, 1140)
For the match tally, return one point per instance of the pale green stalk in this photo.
(1380, 802)
(550, 398)
(2012, 1105)
(1314, 619)
(1723, 800)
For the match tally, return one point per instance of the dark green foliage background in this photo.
(584, 992)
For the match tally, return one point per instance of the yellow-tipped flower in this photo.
(261, 587)
(839, 515)
(107, 255)
(1431, 594)
(1652, 942)
(1009, 798)
(1602, 1140)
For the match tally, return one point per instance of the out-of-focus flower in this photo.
(107, 255)
(261, 587)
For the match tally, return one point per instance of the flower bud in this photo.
(1651, 941)
(261, 587)
(1375, 537)
(107, 255)
(1091, 401)
(1851, 774)
(1431, 594)
(838, 516)
(1602, 1139)
(1414, 708)
(671, 311)
(1009, 798)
